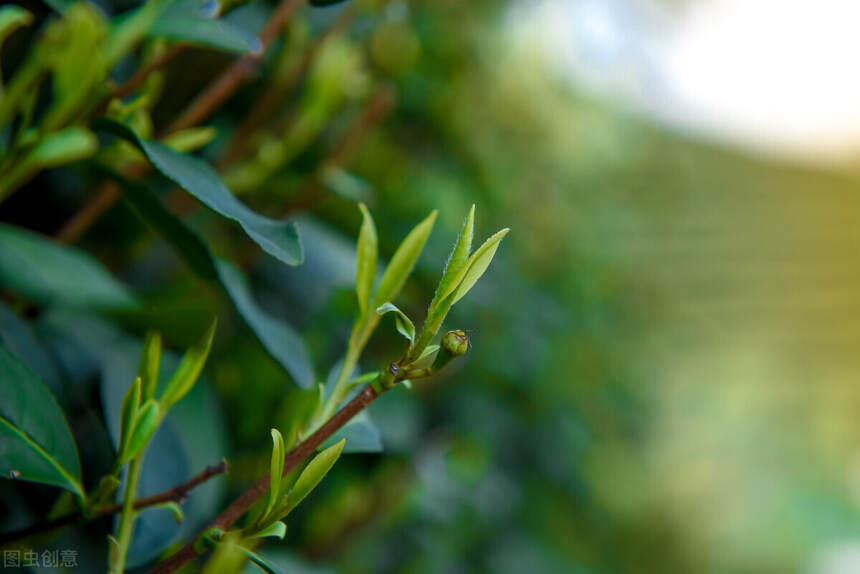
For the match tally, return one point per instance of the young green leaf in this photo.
(314, 473)
(37, 443)
(368, 252)
(188, 371)
(274, 530)
(12, 17)
(403, 323)
(130, 406)
(455, 268)
(173, 508)
(276, 470)
(403, 261)
(150, 360)
(145, 423)
(478, 263)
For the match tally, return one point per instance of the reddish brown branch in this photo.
(229, 81)
(142, 73)
(247, 499)
(176, 494)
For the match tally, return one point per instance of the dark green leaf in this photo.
(35, 441)
(278, 238)
(282, 342)
(54, 274)
(218, 34)
(278, 338)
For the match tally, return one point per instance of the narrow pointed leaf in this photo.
(262, 563)
(276, 468)
(188, 371)
(455, 268)
(368, 252)
(150, 359)
(403, 261)
(145, 423)
(130, 406)
(279, 339)
(478, 263)
(403, 323)
(36, 444)
(314, 473)
(274, 530)
(53, 274)
(278, 238)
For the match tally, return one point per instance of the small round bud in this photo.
(456, 343)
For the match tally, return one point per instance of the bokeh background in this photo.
(664, 373)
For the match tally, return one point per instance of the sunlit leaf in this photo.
(455, 268)
(35, 441)
(130, 406)
(188, 371)
(145, 422)
(403, 261)
(276, 469)
(314, 473)
(274, 530)
(478, 263)
(366, 257)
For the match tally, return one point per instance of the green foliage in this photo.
(53, 274)
(37, 443)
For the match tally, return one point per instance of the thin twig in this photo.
(176, 494)
(312, 190)
(247, 499)
(229, 81)
(142, 73)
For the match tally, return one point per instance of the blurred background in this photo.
(665, 352)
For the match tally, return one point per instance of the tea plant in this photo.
(75, 101)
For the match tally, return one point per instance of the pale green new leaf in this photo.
(130, 406)
(403, 261)
(188, 370)
(366, 257)
(404, 324)
(276, 469)
(478, 263)
(12, 17)
(150, 359)
(455, 268)
(274, 530)
(314, 473)
(145, 423)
